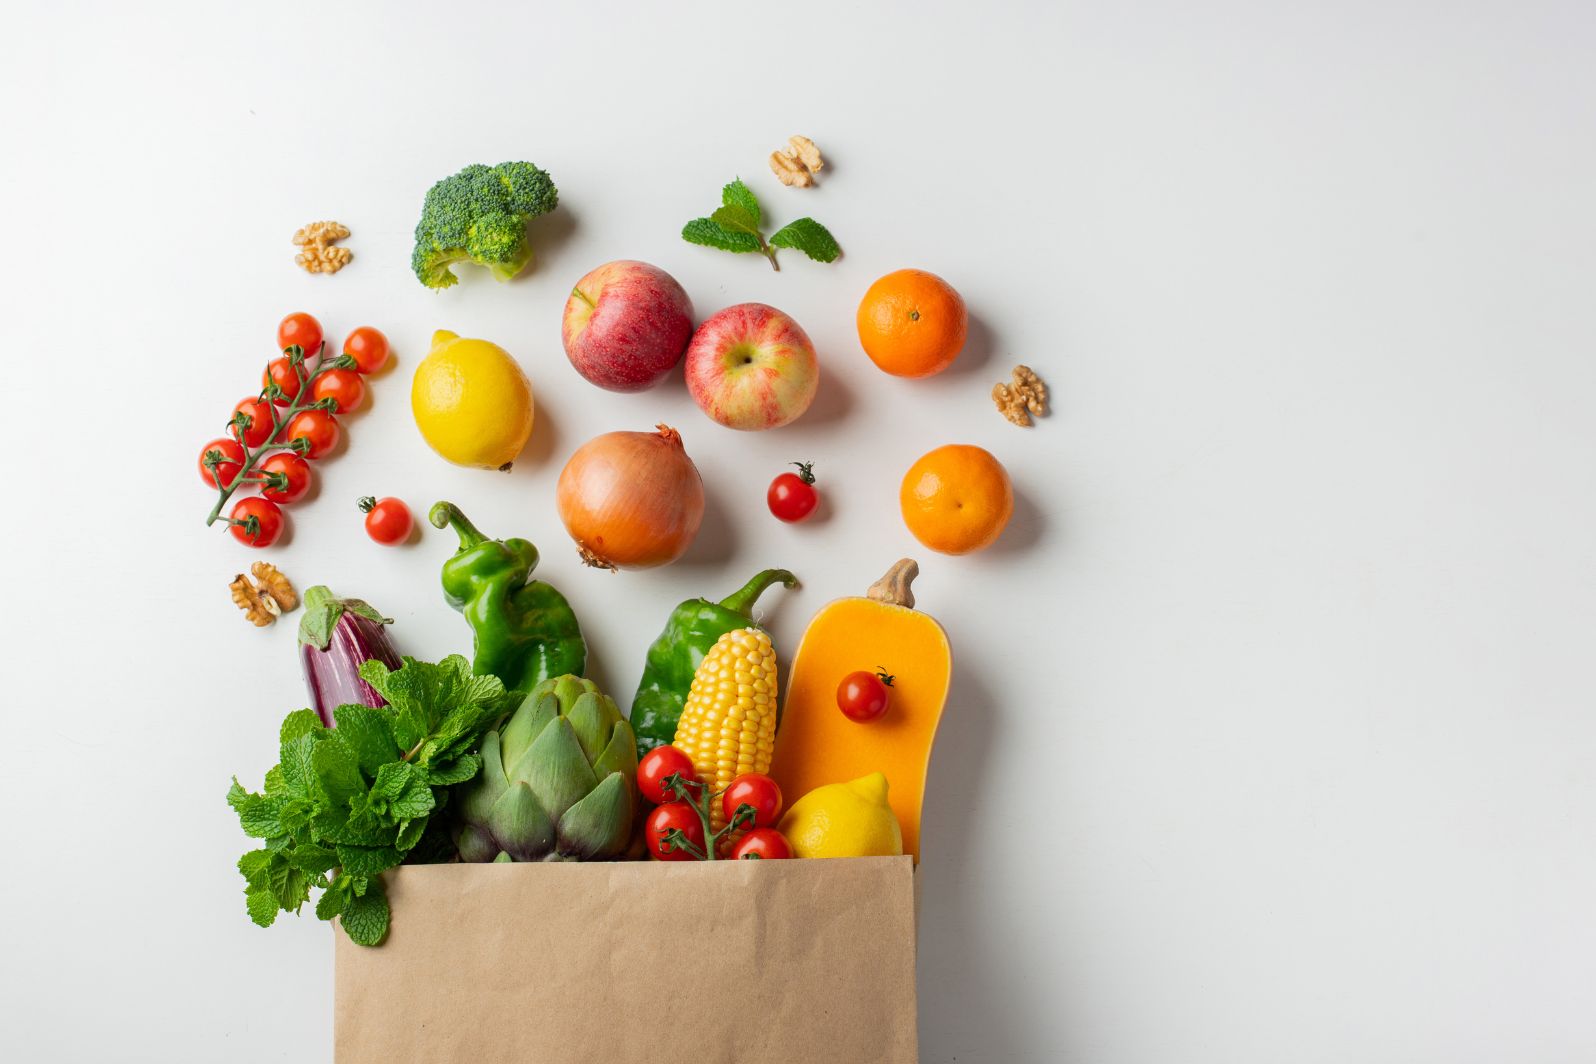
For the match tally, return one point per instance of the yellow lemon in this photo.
(471, 402)
(844, 820)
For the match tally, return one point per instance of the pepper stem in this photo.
(448, 515)
(742, 600)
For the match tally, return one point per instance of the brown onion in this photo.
(631, 500)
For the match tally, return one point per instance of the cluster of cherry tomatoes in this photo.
(304, 426)
(679, 817)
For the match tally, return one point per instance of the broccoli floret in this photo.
(479, 215)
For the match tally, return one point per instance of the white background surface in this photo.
(1272, 736)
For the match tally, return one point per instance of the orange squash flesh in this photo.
(817, 744)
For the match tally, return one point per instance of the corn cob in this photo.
(728, 726)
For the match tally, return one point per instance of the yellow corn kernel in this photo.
(728, 725)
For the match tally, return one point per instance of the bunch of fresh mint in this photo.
(345, 804)
(735, 226)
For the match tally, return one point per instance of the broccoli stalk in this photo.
(479, 215)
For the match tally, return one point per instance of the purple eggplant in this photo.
(335, 636)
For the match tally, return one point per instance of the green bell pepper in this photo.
(525, 631)
(693, 628)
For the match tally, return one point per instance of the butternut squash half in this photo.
(817, 745)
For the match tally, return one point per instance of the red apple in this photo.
(752, 367)
(625, 325)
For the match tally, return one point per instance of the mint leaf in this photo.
(742, 197)
(365, 917)
(402, 793)
(367, 860)
(705, 232)
(735, 219)
(298, 776)
(450, 772)
(299, 722)
(808, 236)
(274, 781)
(331, 903)
(312, 859)
(262, 905)
(337, 772)
(368, 733)
(410, 834)
(420, 694)
(253, 865)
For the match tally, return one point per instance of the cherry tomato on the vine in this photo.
(678, 816)
(755, 790)
(792, 496)
(281, 372)
(231, 460)
(388, 521)
(343, 386)
(763, 844)
(655, 766)
(257, 522)
(295, 474)
(317, 427)
(368, 347)
(862, 696)
(261, 421)
(302, 329)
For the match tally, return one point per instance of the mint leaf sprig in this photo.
(343, 805)
(736, 226)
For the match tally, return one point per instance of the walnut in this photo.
(319, 255)
(275, 584)
(796, 164)
(260, 609)
(1023, 396)
(267, 599)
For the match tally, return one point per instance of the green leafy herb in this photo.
(344, 805)
(735, 226)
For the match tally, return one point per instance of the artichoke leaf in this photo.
(592, 719)
(621, 753)
(519, 824)
(526, 724)
(600, 825)
(556, 769)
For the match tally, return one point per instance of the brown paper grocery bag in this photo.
(724, 962)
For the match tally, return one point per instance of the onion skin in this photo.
(631, 500)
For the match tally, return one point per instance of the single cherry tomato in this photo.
(862, 696)
(317, 427)
(256, 521)
(302, 329)
(261, 421)
(229, 458)
(368, 347)
(792, 495)
(292, 474)
(677, 816)
(658, 764)
(388, 521)
(755, 790)
(762, 844)
(343, 386)
(281, 372)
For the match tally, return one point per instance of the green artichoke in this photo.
(557, 781)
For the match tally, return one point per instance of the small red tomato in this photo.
(862, 696)
(368, 347)
(281, 372)
(658, 764)
(343, 386)
(792, 495)
(257, 522)
(762, 844)
(756, 791)
(225, 456)
(317, 427)
(261, 421)
(388, 521)
(300, 329)
(291, 474)
(677, 816)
